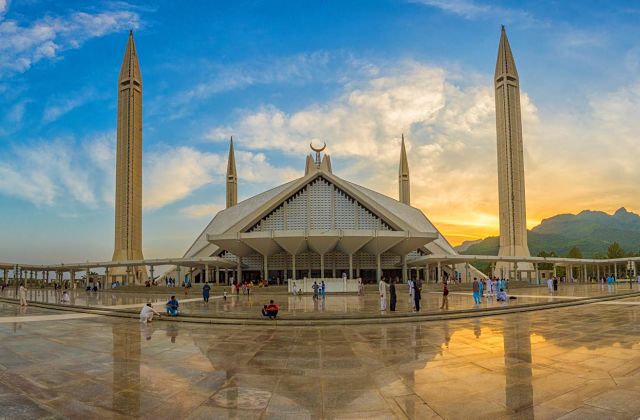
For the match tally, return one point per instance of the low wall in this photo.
(332, 285)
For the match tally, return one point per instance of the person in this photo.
(65, 297)
(224, 294)
(270, 310)
(502, 296)
(489, 292)
(249, 286)
(205, 292)
(550, 285)
(417, 295)
(315, 288)
(382, 288)
(392, 296)
(360, 287)
(172, 306)
(411, 283)
(293, 289)
(22, 294)
(445, 296)
(323, 289)
(555, 284)
(344, 276)
(147, 312)
(476, 291)
(480, 290)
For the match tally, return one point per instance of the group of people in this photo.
(319, 290)
(489, 288)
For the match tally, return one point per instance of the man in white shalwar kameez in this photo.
(412, 289)
(489, 290)
(147, 313)
(22, 294)
(382, 287)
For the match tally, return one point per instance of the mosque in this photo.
(321, 226)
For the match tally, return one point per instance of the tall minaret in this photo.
(232, 178)
(128, 235)
(511, 194)
(404, 185)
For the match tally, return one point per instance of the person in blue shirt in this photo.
(205, 292)
(172, 306)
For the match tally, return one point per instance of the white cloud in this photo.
(58, 107)
(199, 211)
(450, 129)
(471, 10)
(21, 46)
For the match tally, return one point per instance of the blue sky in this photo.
(279, 74)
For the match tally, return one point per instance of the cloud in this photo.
(199, 211)
(58, 107)
(23, 45)
(472, 10)
(449, 125)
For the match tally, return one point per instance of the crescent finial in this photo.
(324, 146)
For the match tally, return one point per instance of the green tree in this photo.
(615, 251)
(544, 254)
(574, 253)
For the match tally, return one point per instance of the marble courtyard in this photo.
(574, 362)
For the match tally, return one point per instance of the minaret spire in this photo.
(404, 184)
(232, 178)
(128, 205)
(511, 191)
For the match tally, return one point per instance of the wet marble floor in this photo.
(578, 362)
(306, 306)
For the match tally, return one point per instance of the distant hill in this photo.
(591, 231)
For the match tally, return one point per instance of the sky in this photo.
(279, 74)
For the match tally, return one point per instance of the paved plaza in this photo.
(579, 362)
(249, 306)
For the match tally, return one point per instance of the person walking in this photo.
(22, 294)
(205, 292)
(445, 297)
(315, 288)
(417, 295)
(476, 291)
(411, 283)
(392, 296)
(323, 289)
(382, 288)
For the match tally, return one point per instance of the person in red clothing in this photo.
(270, 310)
(445, 296)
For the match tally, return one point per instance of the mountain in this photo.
(591, 231)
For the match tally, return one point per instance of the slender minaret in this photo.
(232, 178)
(404, 184)
(511, 194)
(128, 235)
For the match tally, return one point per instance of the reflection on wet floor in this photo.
(292, 306)
(575, 362)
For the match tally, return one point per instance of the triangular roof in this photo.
(245, 214)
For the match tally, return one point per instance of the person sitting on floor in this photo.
(172, 306)
(147, 313)
(270, 310)
(502, 296)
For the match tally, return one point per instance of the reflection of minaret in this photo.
(404, 195)
(232, 178)
(517, 363)
(128, 232)
(126, 368)
(511, 193)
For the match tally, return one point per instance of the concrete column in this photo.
(151, 272)
(266, 268)
(536, 266)
(584, 271)
(635, 270)
(350, 266)
(598, 272)
(107, 284)
(217, 275)
(5, 276)
(555, 273)
(206, 273)
(439, 273)
(178, 279)
(333, 266)
(378, 268)
(466, 272)
(515, 271)
(405, 277)
(427, 274)
(293, 267)
(321, 266)
(89, 275)
(73, 278)
(191, 275)
(239, 268)
(615, 271)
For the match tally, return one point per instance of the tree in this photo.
(544, 254)
(615, 251)
(574, 253)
